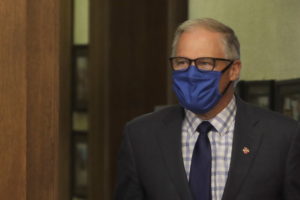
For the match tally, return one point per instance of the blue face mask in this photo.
(197, 90)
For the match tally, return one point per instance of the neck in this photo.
(224, 101)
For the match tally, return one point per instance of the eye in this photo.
(181, 61)
(205, 64)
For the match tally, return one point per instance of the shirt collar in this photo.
(221, 122)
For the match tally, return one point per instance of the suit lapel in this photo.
(169, 138)
(246, 142)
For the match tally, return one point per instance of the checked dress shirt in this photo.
(221, 145)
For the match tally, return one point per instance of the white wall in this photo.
(268, 30)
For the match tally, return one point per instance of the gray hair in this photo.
(230, 40)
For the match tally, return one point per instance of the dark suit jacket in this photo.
(150, 164)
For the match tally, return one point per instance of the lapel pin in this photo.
(246, 150)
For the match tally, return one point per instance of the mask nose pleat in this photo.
(197, 90)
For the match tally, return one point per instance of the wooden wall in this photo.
(34, 100)
(12, 100)
(129, 46)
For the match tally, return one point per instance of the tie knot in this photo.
(204, 127)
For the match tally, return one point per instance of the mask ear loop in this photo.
(225, 90)
(227, 67)
(230, 82)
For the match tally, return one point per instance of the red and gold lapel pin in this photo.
(246, 150)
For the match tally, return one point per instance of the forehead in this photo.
(199, 42)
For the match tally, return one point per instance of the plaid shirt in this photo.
(221, 144)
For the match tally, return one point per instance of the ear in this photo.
(235, 69)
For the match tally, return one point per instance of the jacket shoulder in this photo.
(268, 116)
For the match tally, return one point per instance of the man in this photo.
(213, 146)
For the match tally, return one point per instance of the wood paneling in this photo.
(62, 165)
(137, 68)
(12, 100)
(34, 99)
(98, 139)
(129, 47)
(47, 101)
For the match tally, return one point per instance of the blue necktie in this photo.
(200, 173)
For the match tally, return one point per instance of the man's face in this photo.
(199, 42)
